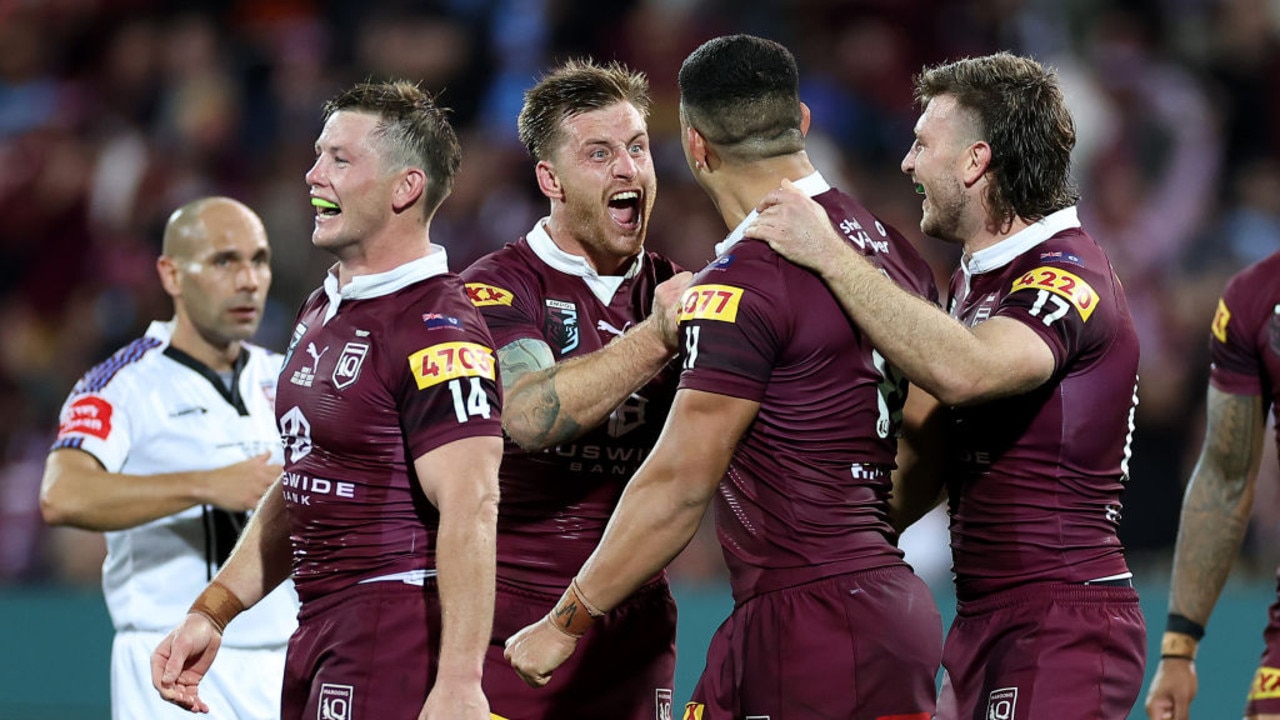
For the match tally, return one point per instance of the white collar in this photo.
(162, 330)
(363, 287)
(1003, 252)
(602, 286)
(811, 185)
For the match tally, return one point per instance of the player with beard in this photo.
(388, 406)
(1039, 360)
(785, 415)
(1244, 384)
(584, 320)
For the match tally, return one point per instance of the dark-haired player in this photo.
(788, 417)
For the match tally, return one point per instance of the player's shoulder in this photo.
(123, 366)
(663, 266)
(1260, 278)
(498, 278)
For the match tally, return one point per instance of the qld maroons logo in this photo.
(561, 325)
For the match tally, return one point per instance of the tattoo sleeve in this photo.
(1216, 508)
(532, 413)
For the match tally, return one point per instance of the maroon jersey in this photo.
(1035, 489)
(1244, 343)
(378, 374)
(555, 503)
(805, 496)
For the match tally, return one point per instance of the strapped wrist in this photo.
(1178, 623)
(574, 614)
(1178, 645)
(218, 604)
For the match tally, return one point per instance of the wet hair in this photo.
(742, 93)
(1019, 110)
(576, 87)
(412, 131)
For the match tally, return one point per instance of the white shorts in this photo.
(241, 684)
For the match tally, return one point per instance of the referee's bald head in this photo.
(190, 227)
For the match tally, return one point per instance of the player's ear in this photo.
(548, 181)
(411, 186)
(167, 269)
(805, 119)
(699, 152)
(977, 160)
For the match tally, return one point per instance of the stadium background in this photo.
(114, 112)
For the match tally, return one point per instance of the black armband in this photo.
(1185, 625)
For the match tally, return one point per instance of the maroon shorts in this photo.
(1045, 651)
(368, 651)
(622, 668)
(1264, 693)
(861, 645)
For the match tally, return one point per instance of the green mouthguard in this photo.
(919, 189)
(322, 203)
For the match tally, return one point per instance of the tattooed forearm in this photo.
(1215, 511)
(532, 412)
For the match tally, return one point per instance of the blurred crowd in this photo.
(115, 112)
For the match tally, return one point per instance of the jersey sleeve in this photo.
(445, 378)
(730, 326)
(98, 423)
(1059, 304)
(1236, 364)
(503, 301)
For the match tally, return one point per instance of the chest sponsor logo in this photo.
(628, 416)
(1002, 703)
(298, 331)
(336, 702)
(446, 361)
(347, 370)
(1266, 684)
(436, 321)
(88, 415)
(693, 711)
(298, 487)
(853, 230)
(1063, 284)
(1221, 318)
(662, 703)
(295, 434)
(560, 326)
(482, 295)
(306, 374)
(710, 302)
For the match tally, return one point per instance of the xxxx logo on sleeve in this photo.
(1063, 284)
(1220, 319)
(1266, 684)
(711, 302)
(446, 361)
(482, 295)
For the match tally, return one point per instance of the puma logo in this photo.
(610, 328)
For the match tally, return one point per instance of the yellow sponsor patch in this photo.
(710, 302)
(1061, 283)
(1220, 320)
(481, 295)
(693, 711)
(446, 361)
(1266, 684)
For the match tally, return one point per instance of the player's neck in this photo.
(739, 188)
(990, 233)
(385, 251)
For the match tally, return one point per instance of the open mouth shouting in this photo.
(624, 208)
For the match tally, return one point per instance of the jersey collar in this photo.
(811, 185)
(1003, 252)
(364, 287)
(602, 286)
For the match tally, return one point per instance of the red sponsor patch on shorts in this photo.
(89, 415)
